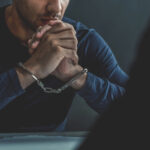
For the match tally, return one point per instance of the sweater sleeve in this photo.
(105, 80)
(9, 87)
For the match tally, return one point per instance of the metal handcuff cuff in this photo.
(48, 89)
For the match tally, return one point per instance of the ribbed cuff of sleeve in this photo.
(87, 91)
(15, 84)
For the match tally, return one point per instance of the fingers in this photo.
(43, 30)
(59, 26)
(68, 44)
(63, 34)
(68, 34)
(72, 55)
(34, 41)
(33, 47)
(35, 44)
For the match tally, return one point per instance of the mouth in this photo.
(46, 20)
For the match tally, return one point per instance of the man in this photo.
(126, 123)
(52, 49)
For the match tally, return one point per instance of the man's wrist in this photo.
(80, 82)
(24, 78)
(34, 69)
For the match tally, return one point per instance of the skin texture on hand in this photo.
(67, 67)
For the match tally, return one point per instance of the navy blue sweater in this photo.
(31, 109)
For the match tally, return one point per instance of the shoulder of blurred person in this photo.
(125, 125)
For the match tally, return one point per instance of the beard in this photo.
(26, 22)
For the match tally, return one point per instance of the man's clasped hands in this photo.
(53, 50)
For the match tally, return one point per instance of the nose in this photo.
(54, 8)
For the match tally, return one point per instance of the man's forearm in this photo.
(79, 83)
(99, 92)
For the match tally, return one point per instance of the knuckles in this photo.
(75, 43)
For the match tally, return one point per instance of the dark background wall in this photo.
(4, 2)
(120, 22)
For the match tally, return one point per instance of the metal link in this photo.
(51, 90)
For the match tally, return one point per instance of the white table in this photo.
(42, 141)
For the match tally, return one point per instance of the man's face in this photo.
(37, 13)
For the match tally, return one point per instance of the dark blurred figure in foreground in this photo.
(126, 124)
